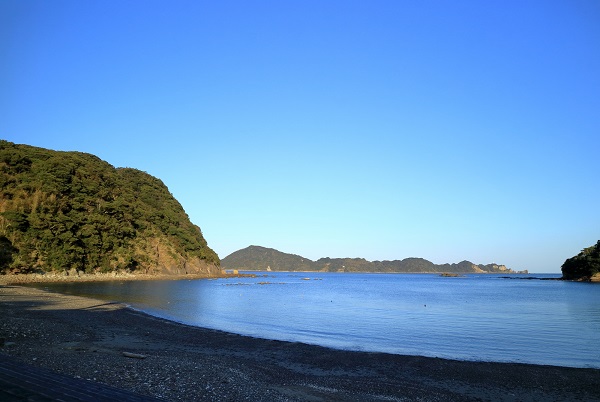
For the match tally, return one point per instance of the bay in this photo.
(480, 317)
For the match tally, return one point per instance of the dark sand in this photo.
(86, 338)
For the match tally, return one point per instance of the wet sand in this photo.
(112, 344)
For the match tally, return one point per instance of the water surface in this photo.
(475, 317)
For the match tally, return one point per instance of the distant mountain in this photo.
(256, 258)
(72, 211)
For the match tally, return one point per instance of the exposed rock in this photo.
(133, 355)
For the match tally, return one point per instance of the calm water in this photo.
(476, 317)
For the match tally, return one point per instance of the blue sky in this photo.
(447, 130)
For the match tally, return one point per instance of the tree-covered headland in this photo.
(257, 258)
(65, 211)
(583, 266)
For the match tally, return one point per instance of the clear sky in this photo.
(447, 130)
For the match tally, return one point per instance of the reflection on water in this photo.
(476, 317)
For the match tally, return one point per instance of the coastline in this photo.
(17, 279)
(87, 338)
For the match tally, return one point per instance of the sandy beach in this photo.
(111, 344)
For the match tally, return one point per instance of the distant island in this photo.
(71, 212)
(585, 266)
(257, 258)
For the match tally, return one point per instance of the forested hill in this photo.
(71, 211)
(585, 266)
(258, 258)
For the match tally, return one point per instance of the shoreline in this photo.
(112, 344)
(18, 279)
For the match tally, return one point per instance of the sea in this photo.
(475, 317)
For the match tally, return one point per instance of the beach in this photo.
(112, 344)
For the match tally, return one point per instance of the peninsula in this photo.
(256, 258)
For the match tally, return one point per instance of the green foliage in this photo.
(6, 253)
(584, 265)
(71, 210)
